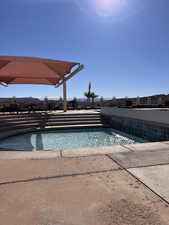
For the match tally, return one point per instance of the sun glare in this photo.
(108, 3)
(107, 7)
(110, 10)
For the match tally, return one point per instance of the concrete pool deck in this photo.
(120, 185)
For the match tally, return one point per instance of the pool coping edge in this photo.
(82, 152)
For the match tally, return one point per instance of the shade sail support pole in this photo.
(3, 84)
(64, 95)
(81, 67)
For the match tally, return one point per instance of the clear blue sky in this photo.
(124, 44)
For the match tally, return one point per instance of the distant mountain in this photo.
(18, 100)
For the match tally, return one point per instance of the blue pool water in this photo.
(69, 139)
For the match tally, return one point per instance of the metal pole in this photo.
(64, 96)
(81, 67)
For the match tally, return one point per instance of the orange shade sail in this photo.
(27, 70)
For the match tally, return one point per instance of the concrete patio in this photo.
(124, 185)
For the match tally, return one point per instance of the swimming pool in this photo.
(68, 139)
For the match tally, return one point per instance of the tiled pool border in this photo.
(140, 128)
(149, 124)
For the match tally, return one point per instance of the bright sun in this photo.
(108, 3)
(110, 10)
(107, 7)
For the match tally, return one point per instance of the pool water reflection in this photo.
(69, 139)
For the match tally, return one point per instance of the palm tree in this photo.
(101, 101)
(93, 96)
(60, 100)
(30, 100)
(74, 102)
(88, 94)
(14, 105)
(60, 103)
(14, 100)
(46, 103)
(30, 104)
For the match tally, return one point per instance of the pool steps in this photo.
(17, 124)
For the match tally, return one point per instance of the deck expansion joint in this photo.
(57, 176)
(135, 177)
